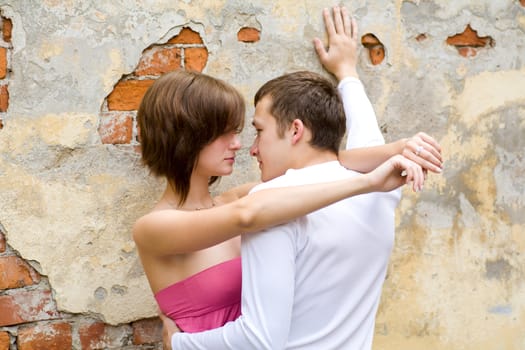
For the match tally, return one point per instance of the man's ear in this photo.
(297, 129)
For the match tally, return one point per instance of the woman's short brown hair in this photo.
(182, 112)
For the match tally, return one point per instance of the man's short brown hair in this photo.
(314, 100)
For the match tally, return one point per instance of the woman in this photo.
(189, 244)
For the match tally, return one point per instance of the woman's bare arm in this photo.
(168, 232)
(420, 148)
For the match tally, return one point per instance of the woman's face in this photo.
(217, 158)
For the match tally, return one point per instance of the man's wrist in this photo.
(347, 73)
(349, 80)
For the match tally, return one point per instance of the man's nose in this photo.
(253, 149)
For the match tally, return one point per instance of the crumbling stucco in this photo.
(67, 201)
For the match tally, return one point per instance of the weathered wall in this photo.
(71, 184)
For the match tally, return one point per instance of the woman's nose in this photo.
(236, 142)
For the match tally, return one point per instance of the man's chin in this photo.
(267, 177)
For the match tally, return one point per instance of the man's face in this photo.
(272, 152)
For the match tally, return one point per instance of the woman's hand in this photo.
(396, 172)
(424, 150)
(168, 329)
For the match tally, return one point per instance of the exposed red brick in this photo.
(147, 331)
(469, 37)
(7, 28)
(27, 306)
(97, 335)
(186, 36)
(370, 40)
(195, 58)
(126, 95)
(2, 237)
(522, 2)
(16, 273)
(468, 42)
(116, 128)
(4, 341)
(421, 37)
(93, 336)
(56, 336)
(467, 51)
(4, 98)
(377, 54)
(376, 49)
(248, 35)
(158, 60)
(3, 62)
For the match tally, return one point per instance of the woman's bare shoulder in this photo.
(234, 194)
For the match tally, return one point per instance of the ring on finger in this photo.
(418, 150)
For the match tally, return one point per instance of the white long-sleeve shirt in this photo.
(315, 282)
(361, 123)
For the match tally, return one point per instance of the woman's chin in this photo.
(225, 172)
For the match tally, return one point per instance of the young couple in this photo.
(316, 236)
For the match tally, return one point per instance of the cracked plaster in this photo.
(68, 202)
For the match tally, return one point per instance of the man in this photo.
(313, 283)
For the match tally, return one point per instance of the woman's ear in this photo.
(297, 129)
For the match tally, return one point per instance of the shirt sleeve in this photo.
(268, 271)
(361, 121)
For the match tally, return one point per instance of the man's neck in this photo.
(312, 156)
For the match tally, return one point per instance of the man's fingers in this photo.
(338, 21)
(320, 49)
(355, 29)
(328, 23)
(347, 23)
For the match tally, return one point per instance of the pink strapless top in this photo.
(206, 300)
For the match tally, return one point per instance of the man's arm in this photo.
(268, 270)
(340, 59)
(361, 122)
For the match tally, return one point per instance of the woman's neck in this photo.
(199, 196)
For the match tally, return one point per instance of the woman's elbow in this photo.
(247, 217)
